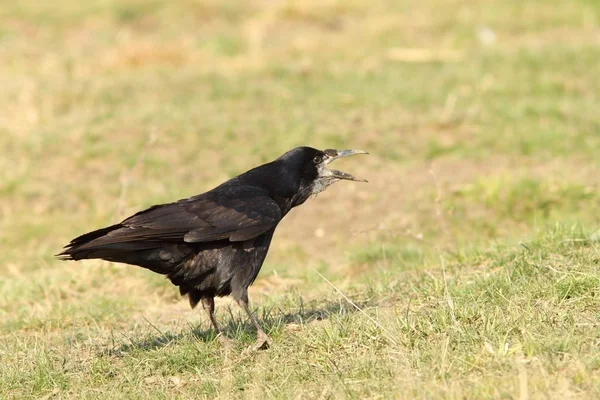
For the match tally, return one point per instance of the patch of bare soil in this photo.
(395, 199)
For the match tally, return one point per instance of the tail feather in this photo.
(79, 247)
(115, 243)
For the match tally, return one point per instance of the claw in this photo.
(262, 342)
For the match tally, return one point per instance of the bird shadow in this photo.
(272, 319)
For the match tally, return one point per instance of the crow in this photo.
(215, 243)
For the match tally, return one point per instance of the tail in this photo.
(86, 245)
(116, 243)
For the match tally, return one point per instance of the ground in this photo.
(468, 266)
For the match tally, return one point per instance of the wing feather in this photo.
(238, 214)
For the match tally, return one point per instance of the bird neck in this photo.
(282, 185)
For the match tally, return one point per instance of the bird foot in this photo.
(262, 342)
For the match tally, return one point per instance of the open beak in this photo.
(334, 155)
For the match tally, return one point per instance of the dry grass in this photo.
(481, 120)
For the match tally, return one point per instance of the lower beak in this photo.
(335, 154)
(346, 176)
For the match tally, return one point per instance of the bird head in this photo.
(325, 176)
(312, 165)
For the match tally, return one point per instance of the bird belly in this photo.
(218, 270)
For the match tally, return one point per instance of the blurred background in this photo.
(481, 118)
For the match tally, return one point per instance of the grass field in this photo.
(472, 256)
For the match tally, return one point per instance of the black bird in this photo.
(214, 244)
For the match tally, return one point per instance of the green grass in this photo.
(472, 255)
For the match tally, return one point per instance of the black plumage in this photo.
(214, 244)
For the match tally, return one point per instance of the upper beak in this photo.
(334, 155)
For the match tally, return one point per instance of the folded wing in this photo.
(239, 214)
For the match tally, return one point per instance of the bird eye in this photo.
(317, 159)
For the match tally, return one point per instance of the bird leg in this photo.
(262, 340)
(209, 306)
